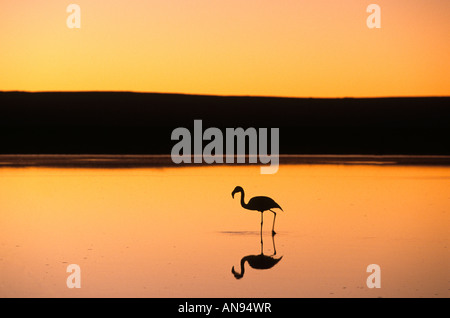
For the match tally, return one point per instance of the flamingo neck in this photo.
(243, 260)
(242, 199)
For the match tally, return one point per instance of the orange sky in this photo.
(319, 48)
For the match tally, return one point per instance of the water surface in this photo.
(177, 232)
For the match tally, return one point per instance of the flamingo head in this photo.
(236, 190)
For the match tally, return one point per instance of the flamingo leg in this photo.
(262, 248)
(273, 225)
(273, 244)
(261, 221)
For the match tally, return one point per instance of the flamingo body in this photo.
(262, 204)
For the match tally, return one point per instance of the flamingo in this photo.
(260, 204)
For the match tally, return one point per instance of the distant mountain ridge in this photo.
(141, 123)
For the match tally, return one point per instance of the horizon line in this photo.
(164, 160)
(222, 95)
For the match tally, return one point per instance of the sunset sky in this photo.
(320, 48)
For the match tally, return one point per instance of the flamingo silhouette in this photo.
(260, 204)
(260, 261)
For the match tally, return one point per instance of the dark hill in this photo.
(141, 123)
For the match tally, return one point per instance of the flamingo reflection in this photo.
(259, 261)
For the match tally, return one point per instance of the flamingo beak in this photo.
(232, 194)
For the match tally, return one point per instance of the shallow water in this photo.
(177, 232)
